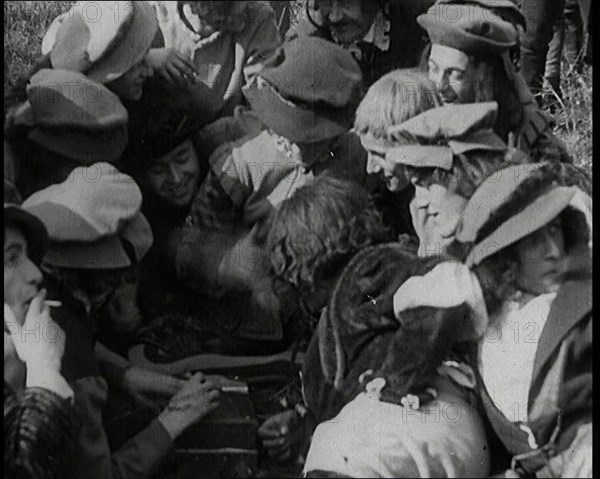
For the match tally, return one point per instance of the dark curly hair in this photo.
(497, 274)
(318, 230)
(311, 10)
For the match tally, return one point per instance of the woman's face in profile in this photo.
(541, 258)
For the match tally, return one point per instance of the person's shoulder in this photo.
(305, 28)
(248, 151)
(259, 11)
(258, 16)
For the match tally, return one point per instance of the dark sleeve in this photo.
(262, 40)
(321, 398)
(538, 140)
(207, 235)
(39, 434)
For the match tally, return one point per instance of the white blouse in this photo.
(507, 353)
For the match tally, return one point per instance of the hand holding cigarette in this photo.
(39, 342)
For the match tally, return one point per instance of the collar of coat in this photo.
(572, 304)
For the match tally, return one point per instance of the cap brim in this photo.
(536, 215)
(106, 253)
(84, 149)
(297, 124)
(422, 156)
(33, 229)
(379, 145)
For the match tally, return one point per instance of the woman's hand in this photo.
(194, 400)
(171, 66)
(39, 342)
(142, 384)
(281, 435)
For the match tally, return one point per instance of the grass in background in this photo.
(24, 26)
(572, 114)
(26, 22)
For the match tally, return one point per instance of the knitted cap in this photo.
(312, 94)
(74, 117)
(88, 217)
(101, 39)
(473, 26)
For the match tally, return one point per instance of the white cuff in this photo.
(51, 380)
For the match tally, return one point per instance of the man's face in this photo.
(541, 259)
(436, 213)
(455, 76)
(348, 21)
(130, 85)
(175, 176)
(22, 278)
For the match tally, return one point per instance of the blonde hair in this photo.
(394, 98)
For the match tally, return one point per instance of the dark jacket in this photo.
(407, 40)
(137, 458)
(40, 428)
(358, 331)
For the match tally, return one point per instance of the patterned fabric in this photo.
(39, 434)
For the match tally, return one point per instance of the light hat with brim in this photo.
(432, 138)
(469, 27)
(311, 95)
(534, 216)
(74, 117)
(496, 192)
(90, 217)
(33, 229)
(491, 194)
(103, 40)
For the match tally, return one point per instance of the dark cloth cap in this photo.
(74, 117)
(101, 39)
(33, 229)
(469, 27)
(312, 94)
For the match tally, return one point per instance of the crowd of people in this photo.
(376, 186)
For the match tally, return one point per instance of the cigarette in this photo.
(52, 303)
(235, 389)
